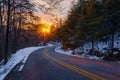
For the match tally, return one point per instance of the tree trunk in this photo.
(92, 42)
(14, 40)
(7, 34)
(0, 32)
(112, 44)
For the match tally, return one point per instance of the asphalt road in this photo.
(46, 64)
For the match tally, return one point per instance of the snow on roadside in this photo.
(49, 44)
(15, 59)
(21, 67)
(69, 52)
(90, 56)
(59, 50)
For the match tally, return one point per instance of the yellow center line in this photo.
(80, 71)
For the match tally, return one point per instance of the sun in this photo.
(45, 28)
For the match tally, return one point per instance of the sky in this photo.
(61, 12)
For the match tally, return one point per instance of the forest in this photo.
(21, 24)
(16, 26)
(91, 22)
(88, 24)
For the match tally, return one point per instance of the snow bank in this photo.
(49, 44)
(15, 59)
(99, 46)
(59, 50)
(90, 57)
(69, 52)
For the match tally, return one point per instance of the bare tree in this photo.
(50, 6)
(7, 33)
(17, 24)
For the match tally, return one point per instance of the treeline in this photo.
(91, 21)
(17, 26)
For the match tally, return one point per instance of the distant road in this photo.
(46, 64)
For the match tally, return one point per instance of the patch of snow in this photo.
(49, 44)
(24, 60)
(69, 52)
(1, 62)
(59, 50)
(89, 57)
(15, 59)
(21, 67)
(99, 46)
(94, 57)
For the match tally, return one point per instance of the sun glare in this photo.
(45, 28)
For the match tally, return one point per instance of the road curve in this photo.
(46, 64)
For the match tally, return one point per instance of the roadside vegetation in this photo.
(92, 27)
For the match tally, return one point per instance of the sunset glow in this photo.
(45, 28)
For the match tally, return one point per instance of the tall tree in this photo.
(7, 33)
(112, 17)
